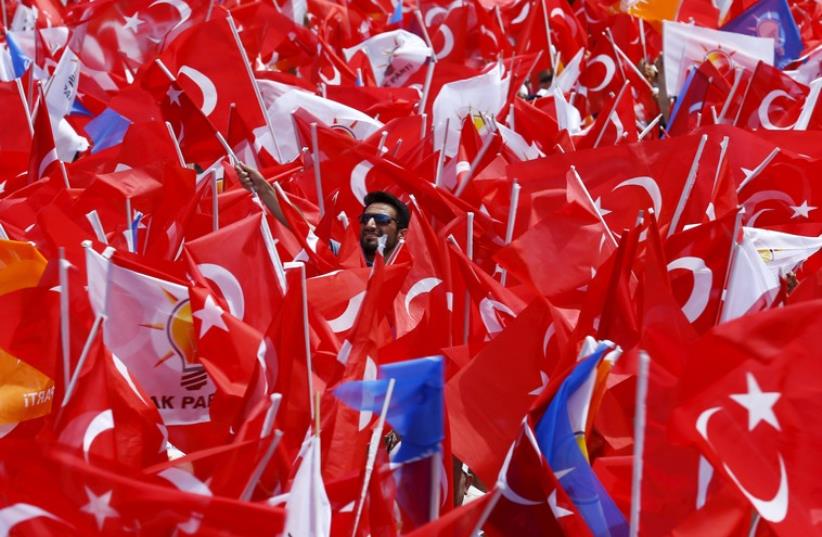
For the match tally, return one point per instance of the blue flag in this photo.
(559, 445)
(771, 18)
(416, 410)
(19, 61)
(396, 16)
(79, 109)
(107, 130)
(682, 93)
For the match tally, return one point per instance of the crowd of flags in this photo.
(601, 320)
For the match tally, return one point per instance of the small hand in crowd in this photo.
(250, 178)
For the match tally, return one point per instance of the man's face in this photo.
(371, 229)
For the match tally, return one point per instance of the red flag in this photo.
(43, 154)
(753, 413)
(698, 261)
(90, 500)
(208, 62)
(773, 100)
(485, 413)
(237, 262)
(601, 75)
(15, 138)
(532, 501)
(784, 193)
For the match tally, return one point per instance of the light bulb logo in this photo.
(180, 333)
(722, 60)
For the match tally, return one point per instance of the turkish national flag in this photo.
(486, 413)
(84, 499)
(698, 261)
(43, 152)
(755, 413)
(210, 67)
(773, 100)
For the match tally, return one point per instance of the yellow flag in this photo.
(25, 392)
(21, 266)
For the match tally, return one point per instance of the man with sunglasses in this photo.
(384, 214)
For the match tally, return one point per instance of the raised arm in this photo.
(253, 181)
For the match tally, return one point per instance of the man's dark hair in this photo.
(379, 196)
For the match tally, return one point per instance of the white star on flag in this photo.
(557, 510)
(133, 22)
(210, 315)
(174, 95)
(759, 404)
(802, 210)
(543, 382)
(99, 508)
(598, 205)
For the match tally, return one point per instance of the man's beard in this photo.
(368, 247)
(371, 247)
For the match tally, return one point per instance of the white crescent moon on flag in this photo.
(20, 512)
(610, 70)
(701, 291)
(489, 33)
(773, 510)
(334, 80)
(755, 216)
(207, 88)
(347, 318)
(185, 481)
(488, 308)
(50, 157)
(702, 421)
(650, 186)
(560, 14)
(505, 488)
(228, 285)
(763, 112)
(433, 12)
(447, 41)
(764, 195)
(182, 8)
(526, 8)
(424, 285)
(101, 423)
(358, 175)
(549, 333)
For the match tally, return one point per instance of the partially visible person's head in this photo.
(384, 214)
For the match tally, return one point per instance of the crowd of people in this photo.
(380, 267)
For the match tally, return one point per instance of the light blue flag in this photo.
(396, 16)
(19, 61)
(107, 130)
(558, 443)
(416, 410)
(78, 108)
(771, 18)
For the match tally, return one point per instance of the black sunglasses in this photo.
(379, 218)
